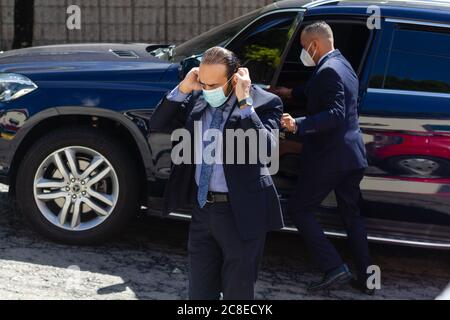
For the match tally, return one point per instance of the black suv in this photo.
(80, 158)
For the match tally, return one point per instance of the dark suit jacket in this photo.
(253, 196)
(332, 139)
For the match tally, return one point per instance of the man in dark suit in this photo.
(333, 157)
(234, 204)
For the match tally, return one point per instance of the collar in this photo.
(325, 55)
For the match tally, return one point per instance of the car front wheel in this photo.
(77, 185)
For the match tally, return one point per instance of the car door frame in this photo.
(356, 18)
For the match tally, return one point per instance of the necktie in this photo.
(206, 170)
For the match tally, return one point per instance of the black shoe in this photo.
(332, 278)
(361, 287)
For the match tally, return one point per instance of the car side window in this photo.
(417, 61)
(261, 46)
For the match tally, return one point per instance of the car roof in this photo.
(428, 10)
(417, 4)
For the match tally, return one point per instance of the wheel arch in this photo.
(54, 118)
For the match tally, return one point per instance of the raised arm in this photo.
(172, 111)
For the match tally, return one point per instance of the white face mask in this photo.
(306, 58)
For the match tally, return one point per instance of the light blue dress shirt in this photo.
(217, 182)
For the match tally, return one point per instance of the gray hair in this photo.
(219, 55)
(320, 29)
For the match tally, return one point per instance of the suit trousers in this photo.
(311, 190)
(219, 261)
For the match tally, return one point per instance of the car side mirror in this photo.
(189, 63)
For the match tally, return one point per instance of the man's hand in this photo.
(289, 123)
(190, 82)
(242, 84)
(283, 92)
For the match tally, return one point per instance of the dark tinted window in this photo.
(260, 48)
(217, 36)
(419, 61)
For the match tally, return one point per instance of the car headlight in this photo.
(13, 86)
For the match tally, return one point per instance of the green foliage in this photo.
(270, 56)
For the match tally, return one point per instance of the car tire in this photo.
(117, 190)
(421, 166)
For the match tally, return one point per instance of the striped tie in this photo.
(206, 171)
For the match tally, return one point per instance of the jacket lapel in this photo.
(233, 117)
(197, 112)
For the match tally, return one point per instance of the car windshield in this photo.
(218, 36)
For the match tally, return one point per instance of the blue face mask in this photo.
(216, 97)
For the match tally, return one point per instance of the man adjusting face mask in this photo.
(231, 213)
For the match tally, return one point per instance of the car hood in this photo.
(96, 60)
